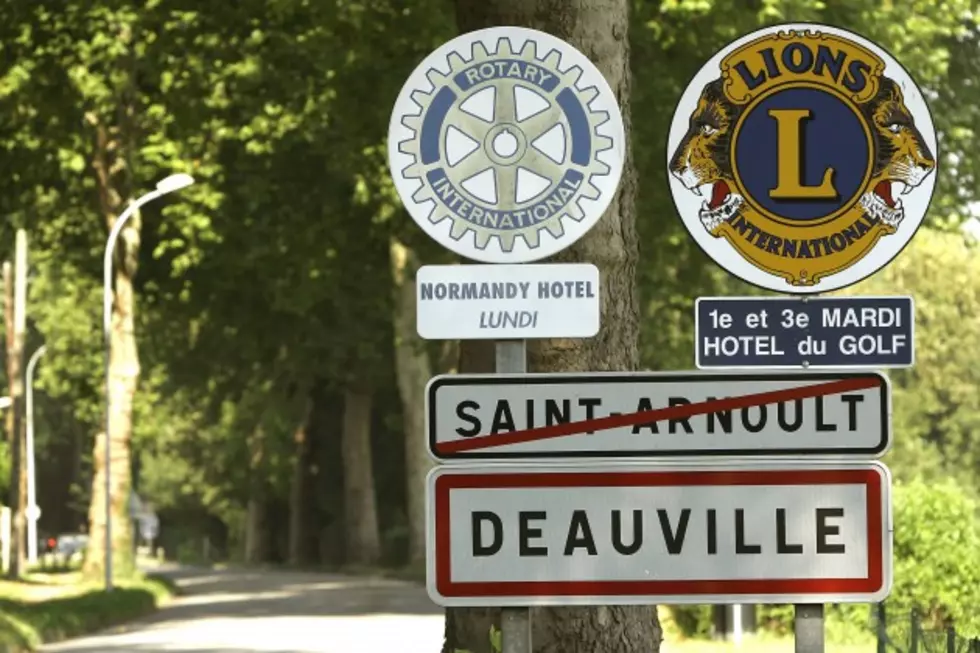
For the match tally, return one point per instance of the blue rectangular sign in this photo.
(815, 332)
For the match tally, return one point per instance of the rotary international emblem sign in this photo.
(802, 158)
(506, 145)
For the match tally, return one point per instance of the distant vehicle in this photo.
(67, 545)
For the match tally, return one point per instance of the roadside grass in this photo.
(46, 608)
(754, 645)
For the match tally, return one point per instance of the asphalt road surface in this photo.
(232, 611)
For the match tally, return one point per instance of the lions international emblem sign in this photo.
(802, 158)
(506, 145)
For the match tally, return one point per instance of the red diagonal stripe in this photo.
(659, 414)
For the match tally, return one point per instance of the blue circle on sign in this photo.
(832, 136)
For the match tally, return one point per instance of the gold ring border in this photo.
(862, 189)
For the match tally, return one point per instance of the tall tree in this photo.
(414, 369)
(598, 28)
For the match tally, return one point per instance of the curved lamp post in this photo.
(33, 514)
(168, 185)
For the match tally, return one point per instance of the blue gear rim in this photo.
(446, 98)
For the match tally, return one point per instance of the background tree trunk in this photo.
(413, 369)
(299, 493)
(360, 507)
(257, 536)
(599, 29)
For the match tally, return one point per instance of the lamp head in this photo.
(174, 182)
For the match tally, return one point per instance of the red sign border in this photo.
(869, 477)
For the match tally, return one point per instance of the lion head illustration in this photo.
(902, 157)
(701, 161)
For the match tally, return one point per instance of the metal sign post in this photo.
(808, 625)
(515, 623)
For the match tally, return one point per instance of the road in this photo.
(235, 611)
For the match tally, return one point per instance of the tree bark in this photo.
(413, 370)
(599, 29)
(299, 491)
(360, 507)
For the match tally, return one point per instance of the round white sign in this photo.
(802, 158)
(506, 145)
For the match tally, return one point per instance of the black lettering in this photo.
(590, 406)
(838, 242)
(679, 401)
(617, 529)
(525, 533)
(712, 532)
(824, 530)
(555, 415)
(747, 423)
(674, 540)
(724, 418)
(805, 59)
(461, 407)
(856, 78)
(821, 424)
(503, 420)
(775, 242)
(529, 404)
(789, 248)
(827, 59)
(852, 410)
(797, 414)
(740, 545)
(643, 405)
(781, 544)
(479, 548)
(770, 60)
(575, 540)
(740, 224)
(752, 80)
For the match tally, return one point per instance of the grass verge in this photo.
(755, 645)
(49, 608)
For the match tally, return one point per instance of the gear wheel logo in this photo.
(506, 145)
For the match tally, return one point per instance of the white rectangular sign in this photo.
(658, 414)
(483, 302)
(632, 533)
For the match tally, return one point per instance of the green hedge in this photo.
(24, 626)
(936, 571)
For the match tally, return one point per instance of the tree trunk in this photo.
(598, 28)
(113, 147)
(413, 370)
(257, 536)
(360, 510)
(299, 491)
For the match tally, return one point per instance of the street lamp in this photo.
(33, 514)
(168, 185)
